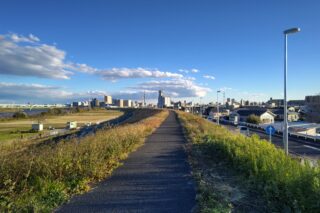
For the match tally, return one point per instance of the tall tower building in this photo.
(160, 100)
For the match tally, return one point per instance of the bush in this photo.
(286, 184)
(253, 119)
(19, 115)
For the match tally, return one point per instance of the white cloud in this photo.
(190, 78)
(209, 77)
(174, 88)
(38, 93)
(225, 89)
(136, 94)
(38, 60)
(47, 61)
(188, 71)
(121, 73)
(19, 38)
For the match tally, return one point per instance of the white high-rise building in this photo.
(107, 99)
(167, 101)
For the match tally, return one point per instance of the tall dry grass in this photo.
(41, 178)
(286, 184)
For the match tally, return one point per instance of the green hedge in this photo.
(286, 184)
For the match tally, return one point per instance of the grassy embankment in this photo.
(284, 184)
(18, 129)
(41, 178)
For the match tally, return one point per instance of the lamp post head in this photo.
(291, 30)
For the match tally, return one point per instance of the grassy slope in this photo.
(10, 129)
(284, 183)
(40, 179)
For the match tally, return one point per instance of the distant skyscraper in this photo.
(160, 100)
(163, 101)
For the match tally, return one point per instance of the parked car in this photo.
(244, 130)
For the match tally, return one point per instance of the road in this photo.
(297, 147)
(155, 178)
(85, 131)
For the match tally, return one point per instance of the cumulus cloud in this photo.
(174, 88)
(209, 77)
(188, 71)
(38, 93)
(39, 60)
(19, 38)
(121, 73)
(224, 89)
(26, 56)
(136, 94)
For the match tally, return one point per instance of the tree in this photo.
(253, 119)
(19, 115)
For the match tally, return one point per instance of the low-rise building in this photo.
(292, 115)
(313, 108)
(71, 125)
(37, 127)
(242, 114)
(275, 103)
(296, 103)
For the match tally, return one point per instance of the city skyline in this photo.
(62, 51)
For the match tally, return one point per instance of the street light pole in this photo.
(218, 117)
(285, 114)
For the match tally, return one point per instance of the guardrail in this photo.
(308, 138)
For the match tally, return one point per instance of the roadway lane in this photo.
(297, 147)
(155, 178)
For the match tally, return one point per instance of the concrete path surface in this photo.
(155, 178)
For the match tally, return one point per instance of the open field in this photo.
(12, 129)
(252, 173)
(39, 179)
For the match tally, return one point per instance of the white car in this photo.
(244, 130)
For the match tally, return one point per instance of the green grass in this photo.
(285, 184)
(11, 129)
(15, 134)
(39, 179)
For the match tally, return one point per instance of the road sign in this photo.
(270, 130)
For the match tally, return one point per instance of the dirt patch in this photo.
(220, 188)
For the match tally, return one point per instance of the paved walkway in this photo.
(155, 178)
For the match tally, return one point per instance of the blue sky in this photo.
(132, 46)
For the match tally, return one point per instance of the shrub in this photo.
(286, 184)
(19, 115)
(253, 119)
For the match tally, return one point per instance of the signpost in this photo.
(270, 130)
